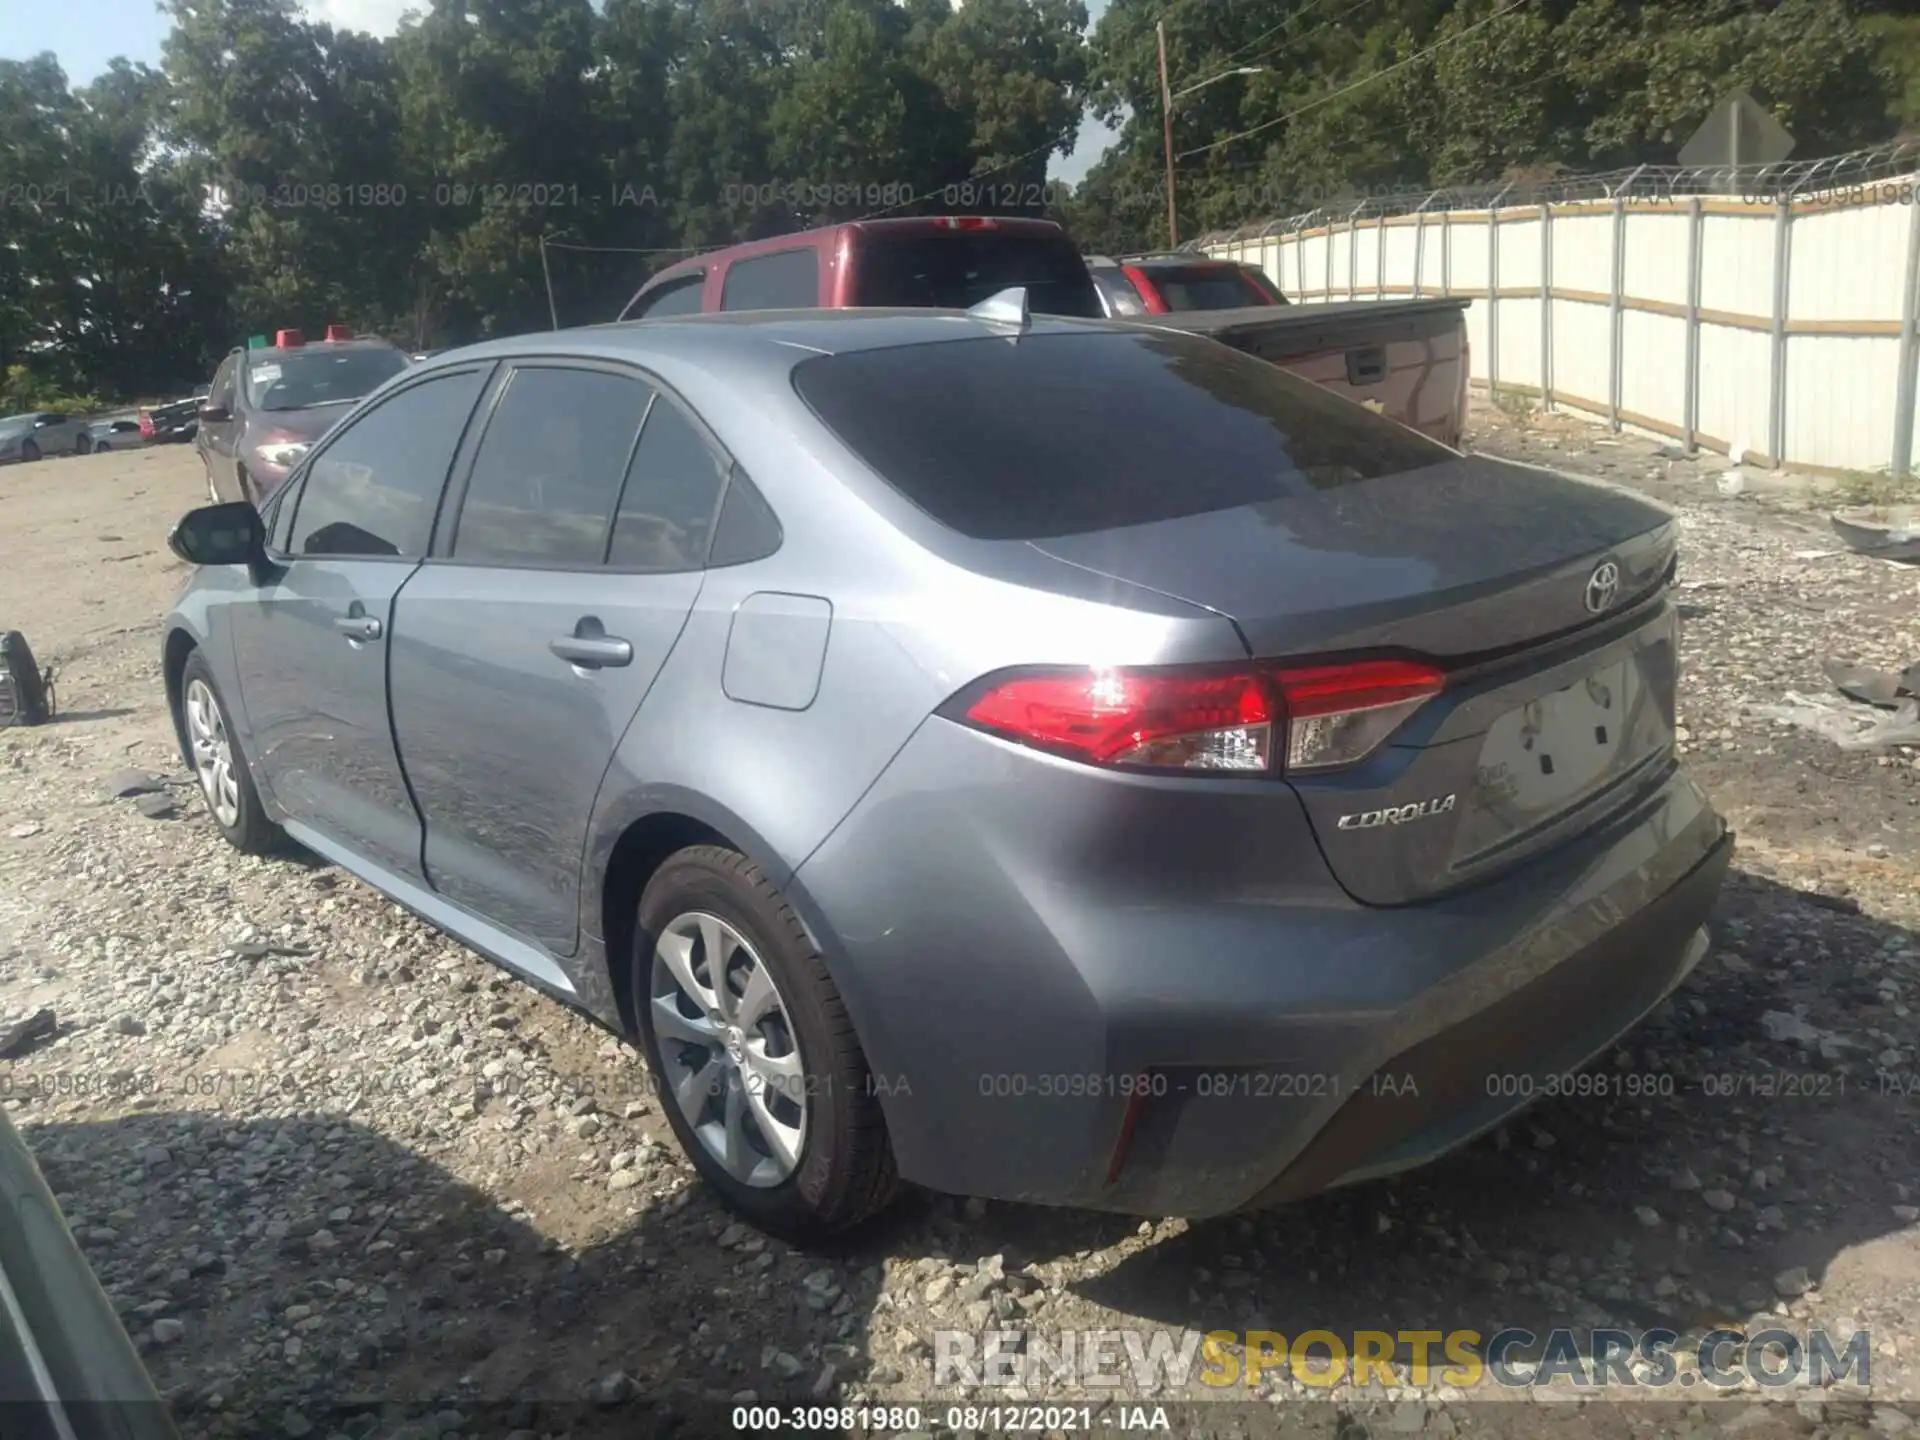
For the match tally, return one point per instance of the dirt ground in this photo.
(343, 1178)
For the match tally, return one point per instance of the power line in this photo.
(621, 249)
(1286, 22)
(1420, 54)
(1325, 24)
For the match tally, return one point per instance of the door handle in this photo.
(590, 652)
(358, 627)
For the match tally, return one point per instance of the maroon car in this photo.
(268, 405)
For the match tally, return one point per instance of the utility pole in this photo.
(1166, 127)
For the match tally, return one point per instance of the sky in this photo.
(87, 34)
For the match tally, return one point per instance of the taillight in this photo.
(1340, 714)
(1204, 718)
(968, 222)
(1144, 288)
(1157, 719)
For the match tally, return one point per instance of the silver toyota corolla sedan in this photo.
(1055, 760)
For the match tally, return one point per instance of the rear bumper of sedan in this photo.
(1150, 996)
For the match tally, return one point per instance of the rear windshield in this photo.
(1051, 435)
(961, 268)
(1205, 287)
(319, 377)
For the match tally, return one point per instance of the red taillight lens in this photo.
(1205, 719)
(146, 426)
(1340, 714)
(1144, 288)
(1157, 719)
(969, 222)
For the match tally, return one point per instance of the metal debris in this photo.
(1851, 727)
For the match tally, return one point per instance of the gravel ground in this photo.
(342, 1177)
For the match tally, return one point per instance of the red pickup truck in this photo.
(1405, 359)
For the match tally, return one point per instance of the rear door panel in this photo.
(505, 731)
(504, 741)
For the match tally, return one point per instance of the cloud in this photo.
(377, 17)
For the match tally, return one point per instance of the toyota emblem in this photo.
(1603, 586)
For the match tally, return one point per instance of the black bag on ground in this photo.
(26, 691)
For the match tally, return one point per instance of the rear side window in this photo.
(676, 297)
(375, 487)
(959, 269)
(548, 471)
(1205, 287)
(789, 280)
(1067, 433)
(672, 490)
(747, 528)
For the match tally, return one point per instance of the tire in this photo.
(841, 1171)
(83, 445)
(220, 765)
(102, 448)
(29, 451)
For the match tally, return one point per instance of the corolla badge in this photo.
(1603, 586)
(1397, 814)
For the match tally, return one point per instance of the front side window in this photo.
(548, 471)
(220, 392)
(373, 490)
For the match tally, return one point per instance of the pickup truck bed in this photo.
(1405, 358)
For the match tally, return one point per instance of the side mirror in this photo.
(229, 534)
(214, 414)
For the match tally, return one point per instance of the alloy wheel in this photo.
(212, 753)
(727, 1049)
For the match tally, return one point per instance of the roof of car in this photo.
(744, 332)
(324, 347)
(819, 234)
(1159, 258)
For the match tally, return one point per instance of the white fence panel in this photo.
(1788, 330)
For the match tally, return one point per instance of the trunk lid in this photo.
(1542, 595)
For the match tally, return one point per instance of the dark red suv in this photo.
(913, 262)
